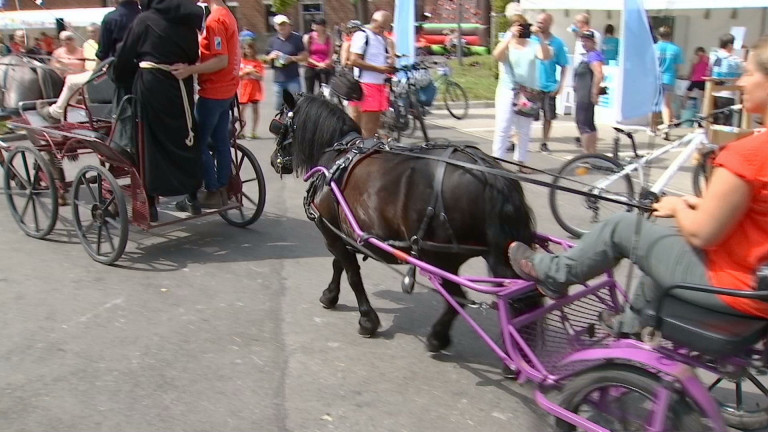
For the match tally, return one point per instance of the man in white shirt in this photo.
(372, 61)
(724, 58)
(579, 26)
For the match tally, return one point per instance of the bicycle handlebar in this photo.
(699, 119)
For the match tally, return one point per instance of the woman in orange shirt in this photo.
(249, 91)
(719, 239)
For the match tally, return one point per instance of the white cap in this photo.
(280, 19)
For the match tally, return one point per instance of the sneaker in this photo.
(511, 147)
(520, 256)
(544, 148)
(209, 199)
(191, 207)
(253, 136)
(45, 112)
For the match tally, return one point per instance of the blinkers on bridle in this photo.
(282, 127)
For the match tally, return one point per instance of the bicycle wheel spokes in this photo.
(590, 173)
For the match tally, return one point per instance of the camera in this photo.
(526, 32)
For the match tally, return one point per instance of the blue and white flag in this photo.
(405, 29)
(639, 80)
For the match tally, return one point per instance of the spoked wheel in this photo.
(100, 214)
(247, 187)
(456, 100)
(701, 172)
(592, 173)
(417, 113)
(621, 398)
(30, 188)
(740, 409)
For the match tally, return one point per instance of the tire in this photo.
(631, 380)
(247, 187)
(749, 417)
(98, 202)
(455, 100)
(701, 173)
(31, 191)
(576, 214)
(418, 116)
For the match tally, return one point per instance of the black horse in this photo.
(390, 193)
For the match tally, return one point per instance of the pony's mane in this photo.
(319, 125)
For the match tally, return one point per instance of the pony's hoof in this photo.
(437, 344)
(329, 301)
(368, 326)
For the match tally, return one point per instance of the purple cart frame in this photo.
(560, 340)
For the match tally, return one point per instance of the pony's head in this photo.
(305, 128)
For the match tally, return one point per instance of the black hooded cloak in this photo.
(165, 33)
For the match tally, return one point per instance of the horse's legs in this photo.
(439, 338)
(369, 320)
(330, 296)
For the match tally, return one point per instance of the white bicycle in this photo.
(609, 177)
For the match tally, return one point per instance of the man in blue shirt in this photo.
(549, 82)
(285, 51)
(670, 57)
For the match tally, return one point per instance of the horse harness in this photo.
(358, 149)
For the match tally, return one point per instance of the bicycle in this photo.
(454, 96)
(404, 95)
(609, 177)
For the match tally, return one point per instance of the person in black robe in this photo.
(164, 34)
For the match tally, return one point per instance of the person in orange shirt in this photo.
(249, 93)
(218, 78)
(720, 239)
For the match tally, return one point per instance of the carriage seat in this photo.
(100, 91)
(706, 331)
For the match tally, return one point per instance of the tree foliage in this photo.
(283, 6)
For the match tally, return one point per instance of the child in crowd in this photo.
(249, 93)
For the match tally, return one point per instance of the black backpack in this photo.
(345, 84)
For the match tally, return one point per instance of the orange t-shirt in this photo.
(220, 38)
(250, 88)
(732, 263)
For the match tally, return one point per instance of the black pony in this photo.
(390, 194)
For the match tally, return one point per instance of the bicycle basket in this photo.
(422, 78)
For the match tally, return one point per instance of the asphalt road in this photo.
(207, 327)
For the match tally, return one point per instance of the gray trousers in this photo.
(662, 254)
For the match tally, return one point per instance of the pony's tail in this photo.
(508, 216)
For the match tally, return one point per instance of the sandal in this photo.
(241, 136)
(253, 136)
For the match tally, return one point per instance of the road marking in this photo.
(88, 316)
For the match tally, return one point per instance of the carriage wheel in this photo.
(621, 398)
(100, 214)
(740, 412)
(30, 188)
(576, 214)
(248, 188)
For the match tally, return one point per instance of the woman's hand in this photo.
(516, 30)
(667, 206)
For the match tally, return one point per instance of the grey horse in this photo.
(25, 78)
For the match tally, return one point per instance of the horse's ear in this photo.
(289, 100)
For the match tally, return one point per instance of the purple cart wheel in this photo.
(621, 398)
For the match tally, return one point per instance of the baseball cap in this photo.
(587, 34)
(280, 19)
